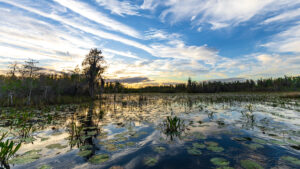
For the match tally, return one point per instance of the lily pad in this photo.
(250, 164)
(130, 144)
(219, 161)
(254, 146)
(159, 149)
(56, 146)
(44, 138)
(111, 147)
(261, 141)
(45, 166)
(150, 161)
(194, 151)
(197, 145)
(211, 143)
(291, 159)
(199, 136)
(84, 153)
(225, 167)
(98, 159)
(215, 149)
(28, 157)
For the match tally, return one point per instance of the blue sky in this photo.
(162, 41)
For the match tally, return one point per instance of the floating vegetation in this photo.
(44, 138)
(194, 151)
(130, 143)
(254, 146)
(213, 146)
(219, 161)
(84, 153)
(121, 146)
(291, 159)
(150, 161)
(159, 149)
(261, 141)
(110, 147)
(197, 145)
(56, 146)
(116, 167)
(199, 136)
(225, 167)
(250, 164)
(45, 166)
(241, 138)
(99, 158)
(28, 157)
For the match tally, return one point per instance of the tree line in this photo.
(29, 84)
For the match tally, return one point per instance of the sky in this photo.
(156, 41)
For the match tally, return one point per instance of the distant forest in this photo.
(25, 84)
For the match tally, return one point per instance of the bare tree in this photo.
(30, 70)
(13, 68)
(93, 68)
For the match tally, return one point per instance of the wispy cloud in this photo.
(286, 16)
(119, 7)
(87, 11)
(286, 41)
(218, 14)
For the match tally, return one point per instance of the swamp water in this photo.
(169, 131)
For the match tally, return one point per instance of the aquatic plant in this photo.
(194, 151)
(27, 157)
(45, 166)
(197, 145)
(99, 158)
(84, 153)
(150, 161)
(159, 149)
(219, 161)
(7, 150)
(250, 164)
(56, 146)
(291, 159)
(173, 127)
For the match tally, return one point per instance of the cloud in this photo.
(130, 80)
(285, 41)
(76, 23)
(286, 16)
(219, 14)
(119, 7)
(87, 11)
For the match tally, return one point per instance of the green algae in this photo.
(99, 158)
(150, 161)
(291, 159)
(219, 161)
(56, 146)
(250, 164)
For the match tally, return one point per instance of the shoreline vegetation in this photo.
(31, 85)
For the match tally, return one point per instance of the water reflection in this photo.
(121, 128)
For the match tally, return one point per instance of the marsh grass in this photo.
(7, 151)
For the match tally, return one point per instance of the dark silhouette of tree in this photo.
(93, 69)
